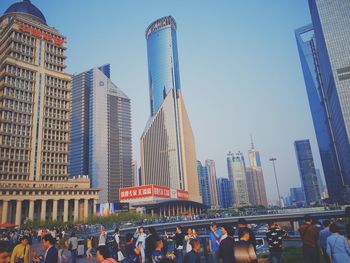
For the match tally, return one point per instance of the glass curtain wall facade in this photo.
(101, 133)
(307, 171)
(331, 24)
(168, 156)
(203, 183)
(224, 192)
(237, 176)
(320, 110)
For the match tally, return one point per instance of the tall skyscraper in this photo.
(224, 192)
(320, 110)
(307, 171)
(255, 179)
(210, 165)
(101, 133)
(297, 195)
(35, 102)
(203, 183)
(237, 176)
(168, 154)
(331, 55)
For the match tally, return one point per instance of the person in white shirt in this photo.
(103, 236)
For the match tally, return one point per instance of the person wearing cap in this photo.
(214, 242)
(226, 248)
(309, 235)
(243, 226)
(21, 252)
(4, 253)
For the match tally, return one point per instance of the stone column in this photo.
(18, 212)
(152, 212)
(54, 210)
(43, 210)
(86, 208)
(31, 210)
(94, 207)
(76, 210)
(5, 208)
(65, 211)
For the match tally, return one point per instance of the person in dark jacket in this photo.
(242, 226)
(309, 235)
(179, 242)
(193, 256)
(226, 247)
(150, 243)
(51, 254)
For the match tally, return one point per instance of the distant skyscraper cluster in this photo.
(325, 58)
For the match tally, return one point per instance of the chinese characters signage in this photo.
(38, 33)
(145, 191)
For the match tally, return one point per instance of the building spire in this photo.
(251, 141)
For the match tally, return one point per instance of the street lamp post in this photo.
(278, 189)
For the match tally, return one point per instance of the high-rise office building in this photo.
(237, 176)
(255, 179)
(168, 154)
(320, 110)
(307, 171)
(101, 133)
(210, 165)
(331, 52)
(224, 192)
(135, 174)
(297, 195)
(203, 183)
(35, 102)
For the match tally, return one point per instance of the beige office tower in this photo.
(168, 156)
(255, 179)
(35, 104)
(211, 170)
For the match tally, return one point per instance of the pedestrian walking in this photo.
(193, 256)
(178, 237)
(215, 235)
(309, 236)
(338, 248)
(132, 252)
(21, 252)
(275, 236)
(73, 247)
(141, 242)
(243, 250)
(226, 247)
(324, 234)
(157, 254)
(103, 255)
(103, 236)
(89, 247)
(150, 243)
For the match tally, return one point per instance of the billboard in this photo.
(140, 192)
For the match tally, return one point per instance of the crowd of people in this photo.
(226, 244)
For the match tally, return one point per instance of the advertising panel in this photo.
(183, 195)
(135, 192)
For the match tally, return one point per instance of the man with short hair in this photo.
(4, 253)
(179, 241)
(324, 234)
(243, 226)
(309, 235)
(214, 242)
(193, 256)
(226, 247)
(275, 236)
(157, 254)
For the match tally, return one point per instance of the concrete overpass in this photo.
(281, 217)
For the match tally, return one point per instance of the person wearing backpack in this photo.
(338, 248)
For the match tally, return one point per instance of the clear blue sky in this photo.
(239, 67)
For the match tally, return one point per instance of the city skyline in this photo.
(276, 145)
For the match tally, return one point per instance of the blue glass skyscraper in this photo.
(203, 183)
(330, 51)
(163, 63)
